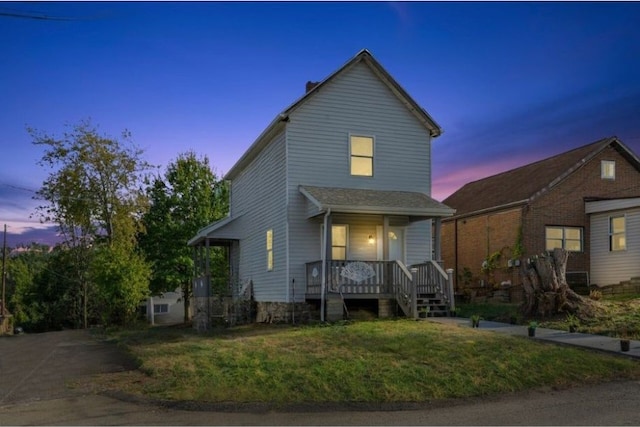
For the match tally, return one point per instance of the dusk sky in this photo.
(510, 83)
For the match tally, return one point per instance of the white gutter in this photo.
(323, 286)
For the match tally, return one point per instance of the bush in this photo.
(595, 295)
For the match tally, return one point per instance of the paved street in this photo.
(37, 369)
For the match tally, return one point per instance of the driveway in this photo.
(41, 366)
(36, 371)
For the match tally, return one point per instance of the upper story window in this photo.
(361, 154)
(269, 250)
(617, 233)
(569, 238)
(608, 169)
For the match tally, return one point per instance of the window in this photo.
(361, 152)
(339, 242)
(269, 250)
(608, 169)
(569, 238)
(160, 308)
(617, 235)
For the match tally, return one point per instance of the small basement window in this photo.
(160, 308)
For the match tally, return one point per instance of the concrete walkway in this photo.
(593, 342)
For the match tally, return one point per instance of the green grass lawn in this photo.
(374, 361)
(618, 313)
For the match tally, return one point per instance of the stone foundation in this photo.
(627, 287)
(282, 312)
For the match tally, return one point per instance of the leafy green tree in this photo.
(22, 271)
(124, 278)
(187, 198)
(44, 298)
(94, 194)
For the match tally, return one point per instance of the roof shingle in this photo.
(523, 183)
(375, 201)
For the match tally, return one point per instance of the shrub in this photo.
(595, 295)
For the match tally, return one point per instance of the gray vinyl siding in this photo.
(358, 103)
(259, 196)
(355, 102)
(418, 242)
(359, 247)
(609, 267)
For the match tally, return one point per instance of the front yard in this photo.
(373, 361)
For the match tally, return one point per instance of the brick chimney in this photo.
(310, 85)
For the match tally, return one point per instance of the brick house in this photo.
(536, 207)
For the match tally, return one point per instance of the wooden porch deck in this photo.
(421, 285)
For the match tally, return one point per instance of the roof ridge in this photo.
(526, 182)
(600, 141)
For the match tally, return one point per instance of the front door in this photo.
(396, 243)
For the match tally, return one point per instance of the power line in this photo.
(15, 13)
(18, 187)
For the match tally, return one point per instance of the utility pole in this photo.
(4, 271)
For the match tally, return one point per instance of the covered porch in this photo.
(381, 245)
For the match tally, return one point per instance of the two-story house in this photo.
(586, 200)
(331, 204)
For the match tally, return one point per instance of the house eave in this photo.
(279, 122)
(610, 205)
(205, 232)
(489, 210)
(275, 127)
(375, 210)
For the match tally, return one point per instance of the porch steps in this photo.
(437, 307)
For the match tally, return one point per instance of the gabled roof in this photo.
(521, 185)
(279, 122)
(380, 202)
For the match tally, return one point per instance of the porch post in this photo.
(436, 242)
(326, 261)
(385, 255)
(385, 238)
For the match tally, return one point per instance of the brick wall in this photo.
(478, 237)
(564, 204)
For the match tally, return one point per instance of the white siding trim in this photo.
(611, 205)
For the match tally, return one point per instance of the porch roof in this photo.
(224, 230)
(380, 202)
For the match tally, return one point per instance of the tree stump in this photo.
(546, 291)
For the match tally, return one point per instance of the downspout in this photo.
(323, 286)
(455, 252)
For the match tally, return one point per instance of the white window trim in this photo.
(160, 307)
(373, 154)
(564, 239)
(603, 169)
(322, 240)
(269, 250)
(611, 234)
